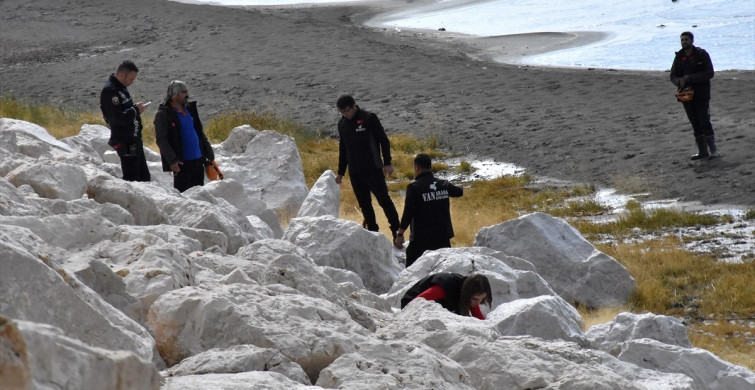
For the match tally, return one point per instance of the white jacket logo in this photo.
(435, 194)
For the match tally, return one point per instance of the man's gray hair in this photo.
(174, 88)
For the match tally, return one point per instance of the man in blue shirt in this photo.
(184, 147)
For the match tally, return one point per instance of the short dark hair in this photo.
(345, 101)
(423, 161)
(127, 66)
(689, 34)
(473, 285)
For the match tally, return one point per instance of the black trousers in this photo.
(698, 113)
(191, 174)
(134, 164)
(417, 248)
(374, 181)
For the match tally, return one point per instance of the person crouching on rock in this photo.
(457, 293)
(184, 147)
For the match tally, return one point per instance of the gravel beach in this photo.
(610, 128)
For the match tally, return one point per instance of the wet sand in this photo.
(605, 127)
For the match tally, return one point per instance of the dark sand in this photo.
(610, 128)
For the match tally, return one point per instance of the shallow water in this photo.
(637, 34)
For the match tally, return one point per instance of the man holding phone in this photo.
(125, 122)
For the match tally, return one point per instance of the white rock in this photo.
(628, 326)
(323, 199)
(340, 275)
(345, 244)
(15, 203)
(573, 267)
(394, 365)
(268, 165)
(32, 140)
(43, 357)
(51, 179)
(548, 317)
(237, 141)
(139, 199)
(91, 141)
(151, 204)
(239, 358)
(496, 362)
(254, 380)
(111, 287)
(235, 193)
(506, 284)
(34, 291)
(237, 276)
(191, 320)
(265, 251)
(66, 231)
(705, 368)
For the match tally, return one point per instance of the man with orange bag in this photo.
(184, 147)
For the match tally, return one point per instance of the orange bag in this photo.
(213, 171)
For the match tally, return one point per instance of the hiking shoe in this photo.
(698, 157)
(714, 156)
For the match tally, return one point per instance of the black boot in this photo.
(702, 148)
(711, 140)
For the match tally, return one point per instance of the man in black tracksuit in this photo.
(362, 139)
(125, 122)
(184, 148)
(427, 209)
(693, 68)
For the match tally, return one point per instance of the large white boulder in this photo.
(66, 231)
(345, 244)
(506, 284)
(394, 365)
(139, 199)
(310, 331)
(235, 193)
(51, 179)
(706, 369)
(152, 204)
(548, 317)
(32, 140)
(15, 203)
(269, 166)
(40, 356)
(323, 199)
(253, 380)
(239, 358)
(493, 362)
(148, 266)
(92, 141)
(610, 336)
(573, 267)
(35, 291)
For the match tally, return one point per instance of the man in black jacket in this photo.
(125, 122)
(692, 68)
(362, 139)
(184, 148)
(427, 209)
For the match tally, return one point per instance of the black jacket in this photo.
(120, 113)
(449, 282)
(697, 67)
(168, 135)
(361, 141)
(427, 208)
